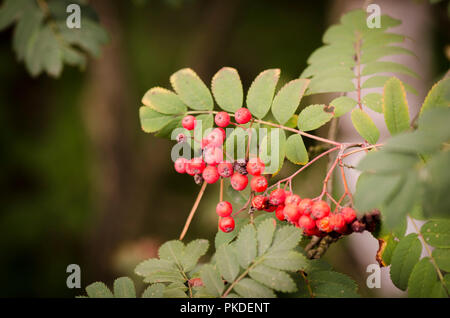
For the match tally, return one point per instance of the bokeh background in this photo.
(80, 183)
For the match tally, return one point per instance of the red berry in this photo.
(348, 214)
(269, 207)
(259, 201)
(189, 122)
(291, 213)
(324, 224)
(305, 206)
(210, 174)
(320, 209)
(224, 208)
(242, 115)
(180, 165)
(238, 181)
(337, 223)
(195, 166)
(213, 155)
(306, 223)
(255, 166)
(259, 184)
(277, 197)
(226, 224)
(314, 231)
(292, 199)
(222, 132)
(205, 143)
(215, 138)
(279, 212)
(222, 119)
(225, 169)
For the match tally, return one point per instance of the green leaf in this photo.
(338, 33)
(383, 161)
(273, 278)
(422, 279)
(365, 126)
(295, 150)
(191, 89)
(264, 235)
(442, 257)
(164, 276)
(386, 253)
(377, 39)
(98, 290)
(313, 117)
(334, 84)
(11, 10)
(124, 288)
(372, 190)
(286, 260)
(225, 238)
(153, 265)
(286, 238)
(90, 37)
(175, 290)
(332, 284)
(403, 202)
(227, 262)
(212, 280)
(163, 101)
(201, 292)
(379, 81)
(377, 52)
(192, 253)
(288, 98)
(387, 67)
(437, 233)
(246, 245)
(260, 93)
(248, 288)
(28, 26)
(342, 105)
(374, 101)
(172, 251)
(404, 258)
(154, 291)
(438, 96)
(152, 121)
(226, 87)
(435, 122)
(44, 53)
(395, 106)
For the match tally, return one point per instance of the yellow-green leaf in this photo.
(260, 93)
(395, 106)
(295, 150)
(191, 89)
(287, 99)
(164, 101)
(227, 89)
(365, 126)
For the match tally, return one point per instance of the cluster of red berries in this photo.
(313, 216)
(210, 166)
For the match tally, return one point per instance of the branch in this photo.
(194, 208)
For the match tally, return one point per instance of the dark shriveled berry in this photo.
(198, 179)
(358, 226)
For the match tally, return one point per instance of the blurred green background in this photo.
(81, 183)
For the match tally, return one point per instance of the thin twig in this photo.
(194, 208)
